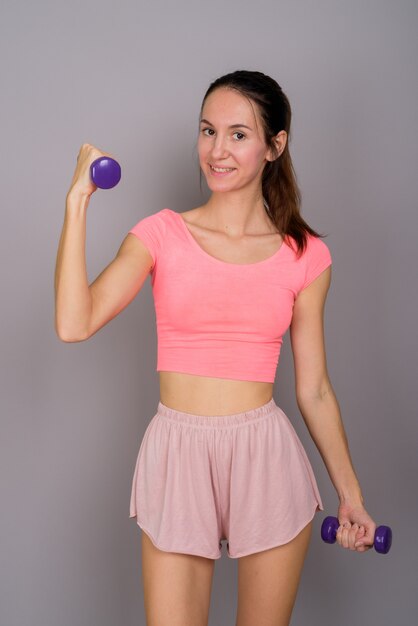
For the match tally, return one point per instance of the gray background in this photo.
(129, 78)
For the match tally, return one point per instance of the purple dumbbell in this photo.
(382, 535)
(105, 172)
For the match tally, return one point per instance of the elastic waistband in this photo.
(217, 421)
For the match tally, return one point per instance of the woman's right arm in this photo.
(82, 309)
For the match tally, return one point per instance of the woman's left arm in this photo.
(320, 410)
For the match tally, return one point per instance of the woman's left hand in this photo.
(356, 530)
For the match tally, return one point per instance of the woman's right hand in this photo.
(81, 182)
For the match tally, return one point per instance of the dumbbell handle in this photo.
(105, 172)
(382, 536)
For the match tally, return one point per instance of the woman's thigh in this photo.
(177, 587)
(268, 582)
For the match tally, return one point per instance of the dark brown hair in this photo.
(280, 190)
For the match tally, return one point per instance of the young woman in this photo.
(220, 459)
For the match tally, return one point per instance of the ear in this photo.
(280, 142)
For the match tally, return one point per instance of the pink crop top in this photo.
(219, 319)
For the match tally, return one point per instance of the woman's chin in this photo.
(218, 185)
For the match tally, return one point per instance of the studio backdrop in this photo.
(129, 78)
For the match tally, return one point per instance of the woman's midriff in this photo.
(202, 395)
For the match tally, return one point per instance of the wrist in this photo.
(353, 496)
(76, 202)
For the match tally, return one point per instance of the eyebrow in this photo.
(203, 121)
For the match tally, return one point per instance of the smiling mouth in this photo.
(221, 170)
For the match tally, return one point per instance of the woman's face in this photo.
(230, 139)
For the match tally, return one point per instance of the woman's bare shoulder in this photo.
(192, 215)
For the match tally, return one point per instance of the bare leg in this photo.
(268, 582)
(177, 587)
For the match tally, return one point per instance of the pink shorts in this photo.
(243, 477)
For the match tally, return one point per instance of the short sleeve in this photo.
(317, 259)
(150, 230)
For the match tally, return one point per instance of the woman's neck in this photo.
(237, 213)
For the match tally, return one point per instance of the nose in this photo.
(219, 147)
